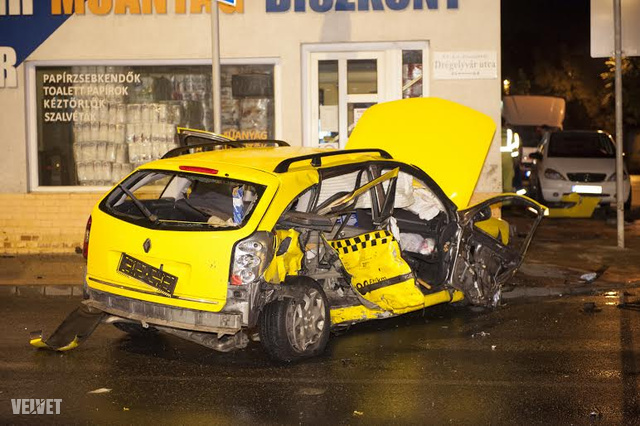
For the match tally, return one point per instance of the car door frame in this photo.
(468, 234)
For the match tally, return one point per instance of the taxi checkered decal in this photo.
(372, 239)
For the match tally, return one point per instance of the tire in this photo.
(297, 326)
(135, 330)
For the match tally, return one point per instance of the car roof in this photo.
(263, 159)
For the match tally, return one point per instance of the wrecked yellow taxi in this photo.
(222, 242)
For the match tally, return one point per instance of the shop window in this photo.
(247, 101)
(412, 81)
(362, 76)
(95, 124)
(328, 96)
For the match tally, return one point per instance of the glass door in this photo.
(343, 86)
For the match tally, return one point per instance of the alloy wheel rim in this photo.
(307, 320)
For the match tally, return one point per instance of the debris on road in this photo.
(493, 347)
(590, 307)
(592, 276)
(312, 391)
(595, 414)
(480, 334)
(358, 413)
(100, 390)
(575, 206)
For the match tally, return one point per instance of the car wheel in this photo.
(135, 330)
(297, 326)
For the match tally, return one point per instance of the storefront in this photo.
(105, 87)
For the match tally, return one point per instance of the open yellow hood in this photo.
(447, 140)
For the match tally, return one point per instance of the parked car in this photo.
(284, 244)
(582, 162)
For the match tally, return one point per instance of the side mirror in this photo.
(536, 155)
(292, 219)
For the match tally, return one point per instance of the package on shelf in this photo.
(254, 114)
(119, 133)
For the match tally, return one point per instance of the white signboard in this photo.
(602, 28)
(357, 113)
(478, 65)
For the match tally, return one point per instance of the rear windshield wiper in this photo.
(145, 211)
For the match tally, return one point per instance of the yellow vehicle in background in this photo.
(225, 241)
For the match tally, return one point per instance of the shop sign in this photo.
(478, 65)
(137, 7)
(26, 24)
(354, 5)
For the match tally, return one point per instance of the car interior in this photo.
(373, 197)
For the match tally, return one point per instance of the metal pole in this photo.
(215, 72)
(617, 19)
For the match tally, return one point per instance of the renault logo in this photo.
(147, 245)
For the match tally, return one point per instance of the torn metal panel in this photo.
(74, 330)
(487, 255)
(288, 258)
(377, 272)
(577, 206)
(497, 228)
(359, 313)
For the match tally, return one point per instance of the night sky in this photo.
(548, 35)
(540, 29)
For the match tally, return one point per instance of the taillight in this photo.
(251, 257)
(85, 246)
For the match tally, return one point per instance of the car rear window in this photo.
(581, 145)
(183, 201)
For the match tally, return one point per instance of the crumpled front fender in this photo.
(74, 330)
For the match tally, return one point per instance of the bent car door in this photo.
(494, 236)
(369, 253)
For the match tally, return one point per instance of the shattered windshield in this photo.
(183, 201)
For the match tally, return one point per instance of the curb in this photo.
(47, 290)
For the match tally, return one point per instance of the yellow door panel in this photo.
(378, 272)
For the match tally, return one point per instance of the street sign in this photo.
(602, 43)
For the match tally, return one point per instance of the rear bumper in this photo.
(163, 315)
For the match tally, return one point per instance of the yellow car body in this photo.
(298, 251)
(203, 274)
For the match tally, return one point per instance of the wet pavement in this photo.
(543, 361)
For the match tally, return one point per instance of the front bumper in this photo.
(163, 315)
(554, 190)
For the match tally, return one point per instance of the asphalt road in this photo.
(542, 361)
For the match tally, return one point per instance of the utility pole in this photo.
(215, 72)
(617, 18)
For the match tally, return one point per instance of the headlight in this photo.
(552, 174)
(251, 257)
(612, 178)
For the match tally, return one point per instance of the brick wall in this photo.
(43, 223)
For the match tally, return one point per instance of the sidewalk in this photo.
(50, 275)
(563, 253)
